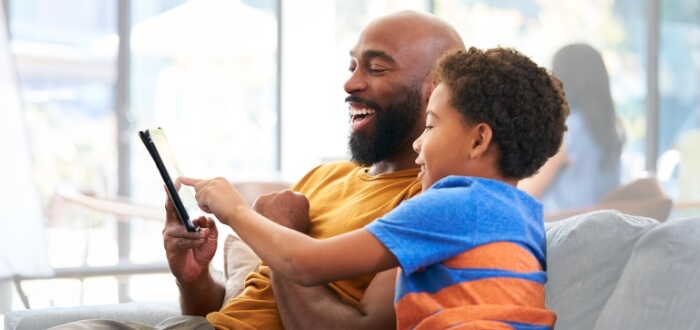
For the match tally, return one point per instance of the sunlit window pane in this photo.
(679, 103)
(540, 28)
(317, 37)
(205, 71)
(67, 97)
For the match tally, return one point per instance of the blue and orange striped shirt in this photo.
(472, 256)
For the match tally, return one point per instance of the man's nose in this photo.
(355, 83)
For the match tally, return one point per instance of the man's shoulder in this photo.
(348, 176)
(333, 168)
(326, 172)
(340, 164)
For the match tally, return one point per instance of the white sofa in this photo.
(607, 270)
(145, 312)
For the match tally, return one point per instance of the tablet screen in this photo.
(182, 196)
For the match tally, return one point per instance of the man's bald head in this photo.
(391, 81)
(423, 36)
(421, 25)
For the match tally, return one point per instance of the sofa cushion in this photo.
(585, 256)
(144, 312)
(239, 261)
(659, 286)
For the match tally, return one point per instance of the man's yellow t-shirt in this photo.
(342, 197)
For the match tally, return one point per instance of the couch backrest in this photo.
(660, 285)
(586, 255)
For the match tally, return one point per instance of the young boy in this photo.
(471, 246)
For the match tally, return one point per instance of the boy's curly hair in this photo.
(524, 105)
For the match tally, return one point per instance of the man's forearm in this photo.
(312, 307)
(318, 307)
(202, 296)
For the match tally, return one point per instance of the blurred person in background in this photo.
(588, 164)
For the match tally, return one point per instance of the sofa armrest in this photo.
(145, 312)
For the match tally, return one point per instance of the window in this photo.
(621, 31)
(239, 86)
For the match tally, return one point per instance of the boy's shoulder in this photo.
(475, 189)
(456, 181)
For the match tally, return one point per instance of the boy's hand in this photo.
(216, 196)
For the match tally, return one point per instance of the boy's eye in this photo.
(428, 127)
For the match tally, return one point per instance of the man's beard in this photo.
(393, 124)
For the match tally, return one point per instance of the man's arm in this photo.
(318, 307)
(201, 296)
(189, 256)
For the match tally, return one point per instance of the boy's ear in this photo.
(482, 135)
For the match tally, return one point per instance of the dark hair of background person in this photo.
(587, 87)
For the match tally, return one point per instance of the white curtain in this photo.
(23, 249)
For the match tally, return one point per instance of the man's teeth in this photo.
(356, 112)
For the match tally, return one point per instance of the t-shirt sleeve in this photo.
(428, 228)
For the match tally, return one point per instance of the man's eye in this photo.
(351, 69)
(376, 69)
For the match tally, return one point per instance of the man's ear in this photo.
(482, 135)
(427, 89)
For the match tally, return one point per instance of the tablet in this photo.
(181, 195)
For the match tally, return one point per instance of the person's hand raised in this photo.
(217, 196)
(286, 207)
(189, 254)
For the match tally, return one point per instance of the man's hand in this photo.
(286, 207)
(188, 254)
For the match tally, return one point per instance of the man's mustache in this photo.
(368, 103)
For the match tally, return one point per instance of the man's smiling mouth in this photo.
(359, 114)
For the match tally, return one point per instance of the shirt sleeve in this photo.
(428, 228)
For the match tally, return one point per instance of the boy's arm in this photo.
(292, 254)
(318, 307)
(306, 260)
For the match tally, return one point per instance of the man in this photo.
(388, 92)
